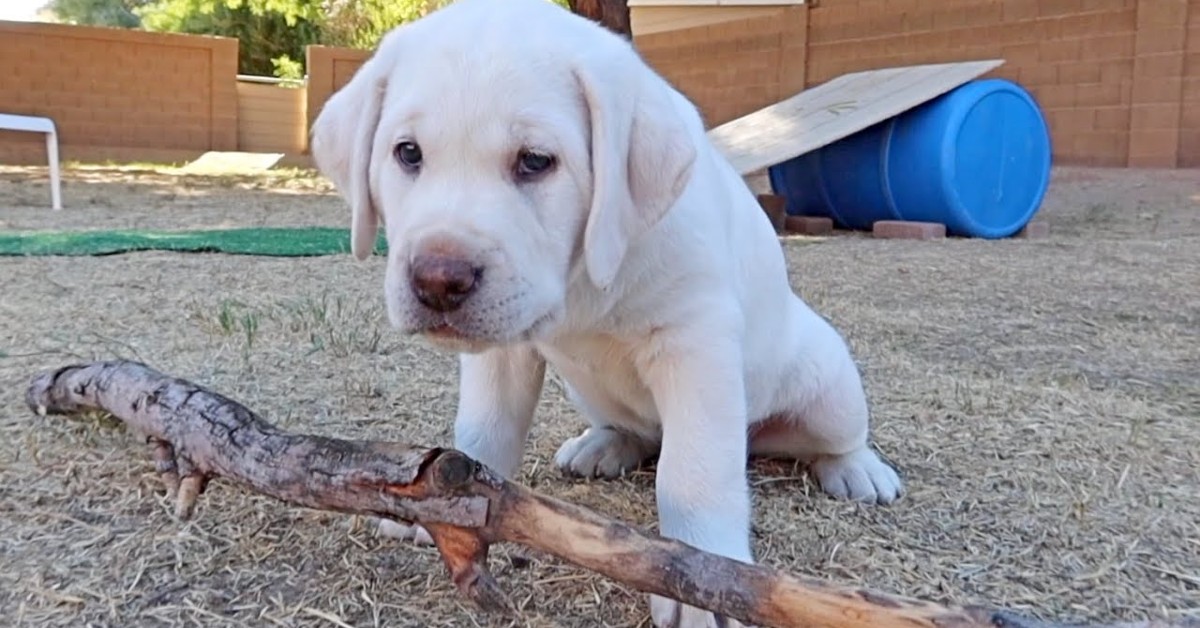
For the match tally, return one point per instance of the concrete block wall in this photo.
(329, 69)
(271, 118)
(1157, 109)
(1076, 57)
(1189, 117)
(117, 94)
(733, 67)
(1119, 80)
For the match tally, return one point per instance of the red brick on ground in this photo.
(908, 230)
(808, 225)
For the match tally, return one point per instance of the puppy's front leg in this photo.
(701, 485)
(497, 396)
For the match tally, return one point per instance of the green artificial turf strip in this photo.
(278, 242)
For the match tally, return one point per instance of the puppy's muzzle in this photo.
(442, 283)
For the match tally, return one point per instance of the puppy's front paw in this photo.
(602, 452)
(859, 475)
(668, 613)
(402, 531)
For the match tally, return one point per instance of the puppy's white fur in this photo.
(640, 267)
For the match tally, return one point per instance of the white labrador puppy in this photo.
(549, 199)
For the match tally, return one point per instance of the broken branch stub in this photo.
(198, 435)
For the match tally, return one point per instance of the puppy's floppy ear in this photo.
(642, 154)
(343, 138)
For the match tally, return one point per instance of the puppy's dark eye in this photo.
(532, 163)
(408, 154)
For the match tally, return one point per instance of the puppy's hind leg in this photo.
(602, 450)
(829, 431)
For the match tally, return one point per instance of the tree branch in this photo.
(198, 435)
(611, 14)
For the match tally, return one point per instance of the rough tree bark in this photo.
(612, 14)
(197, 435)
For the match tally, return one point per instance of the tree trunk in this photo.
(612, 14)
(198, 435)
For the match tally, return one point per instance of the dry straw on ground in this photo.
(1041, 397)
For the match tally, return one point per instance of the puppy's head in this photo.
(508, 147)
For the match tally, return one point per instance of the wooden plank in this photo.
(836, 109)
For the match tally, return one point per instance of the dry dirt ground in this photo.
(1040, 397)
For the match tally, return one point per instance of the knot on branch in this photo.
(453, 470)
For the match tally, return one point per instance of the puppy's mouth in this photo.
(445, 336)
(444, 330)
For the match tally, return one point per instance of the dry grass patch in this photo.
(1041, 398)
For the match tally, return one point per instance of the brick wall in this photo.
(1119, 80)
(1189, 119)
(117, 94)
(272, 118)
(1075, 57)
(329, 69)
(1157, 109)
(733, 67)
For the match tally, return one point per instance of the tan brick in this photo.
(1019, 10)
(1117, 72)
(1159, 40)
(1189, 149)
(951, 16)
(1154, 148)
(1155, 116)
(1056, 96)
(987, 14)
(1079, 72)
(1081, 120)
(1104, 5)
(1054, 8)
(937, 40)
(1081, 25)
(1040, 74)
(1011, 33)
(1112, 118)
(1158, 90)
(1059, 50)
(1098, 94)
(908, 230)
(1120, 21)
(1161, 13)
(1103, 143)
(1189, 117)
(1045, 30)
(1158, 65)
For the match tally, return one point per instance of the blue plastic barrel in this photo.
(976, 159)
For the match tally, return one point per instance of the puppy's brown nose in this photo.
(442, 283)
